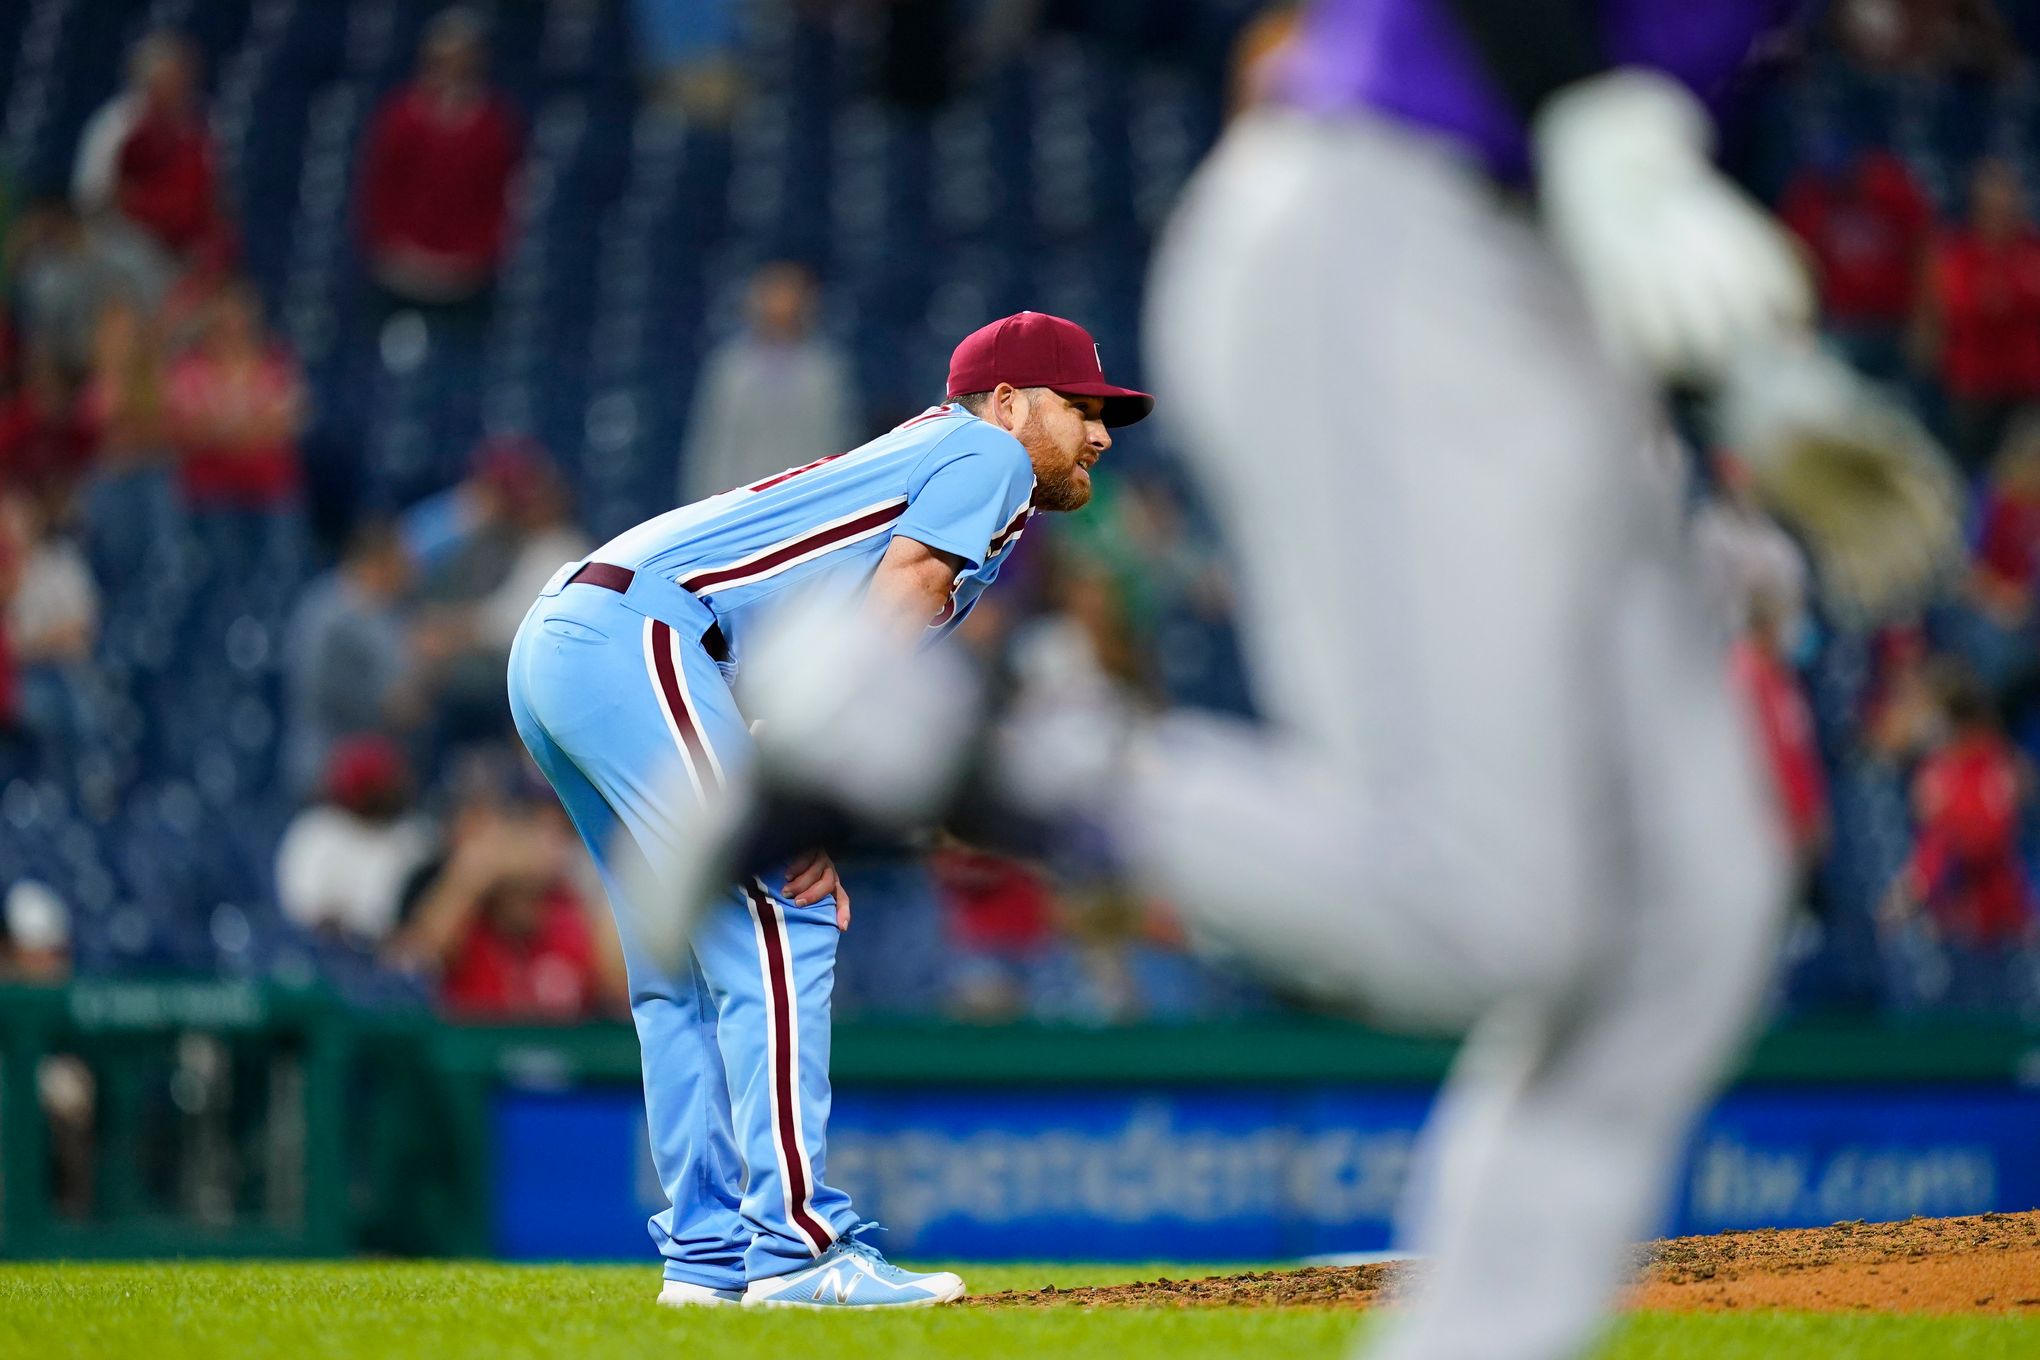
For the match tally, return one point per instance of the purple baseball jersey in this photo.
(1409, 60)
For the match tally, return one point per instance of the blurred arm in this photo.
(911, 585)
(448, 906)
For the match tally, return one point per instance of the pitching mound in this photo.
(1987, 1264)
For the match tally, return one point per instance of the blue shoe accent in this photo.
(853, 1274)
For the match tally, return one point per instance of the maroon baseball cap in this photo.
(1034, 349)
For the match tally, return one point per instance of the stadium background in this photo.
(298, 958)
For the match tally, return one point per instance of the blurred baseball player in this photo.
(620, 682)
(1504, 788)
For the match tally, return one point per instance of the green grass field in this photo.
(488, 1312)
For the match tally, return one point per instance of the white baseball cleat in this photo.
(853, 1275)
(680, 1294)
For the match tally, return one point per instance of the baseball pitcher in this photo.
(621, 685)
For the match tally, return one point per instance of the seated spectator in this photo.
(35, 948)
(347, 666)
(51, 623)
(1083, 643)
(14, 742)
(502, 923)
(1867, 226)
(1776, 697)
(775, 396)
(1745, 555)
(188, 302)
(1990, 623)
(464, 539)
(1982, 314)
(547, 538)
(1967, 877)
(67, 271)
(1001, 926)
(435, 182)
(47, 436)
(148, 153)
(233, 408)
(133, 524)
(2007, 559)
(345, 861)
(466, 630)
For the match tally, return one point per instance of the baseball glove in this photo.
(1865, 487)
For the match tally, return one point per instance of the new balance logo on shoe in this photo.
(835, 1286)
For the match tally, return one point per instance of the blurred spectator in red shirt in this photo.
(148, 154)
(1001, 921)
(502, 921)
(1867, 226)
(235, 403)
(47, 434)
(2007, 569)
(1967, 875)
(1777, 698)
(1982, 313)
(435, 184)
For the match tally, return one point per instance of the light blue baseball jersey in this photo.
(944, 478)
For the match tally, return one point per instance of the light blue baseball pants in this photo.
(629, 718)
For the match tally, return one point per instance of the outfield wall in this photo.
(1251, 1141)
(1118, 1160)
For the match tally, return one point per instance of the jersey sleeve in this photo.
(967, 491)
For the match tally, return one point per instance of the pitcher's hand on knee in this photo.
(810, 878)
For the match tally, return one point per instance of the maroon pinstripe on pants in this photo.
(784, 1079)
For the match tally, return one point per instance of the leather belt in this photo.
(618, 579)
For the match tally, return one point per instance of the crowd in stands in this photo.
(151, 433)
(154, 463)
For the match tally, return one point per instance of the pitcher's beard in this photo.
(1069, 491)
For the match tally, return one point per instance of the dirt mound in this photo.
(1987, 1264)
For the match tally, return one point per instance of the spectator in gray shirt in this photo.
(67, 271)
(349, 669)
(772, 397)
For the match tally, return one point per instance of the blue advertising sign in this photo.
(1230, 1173)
